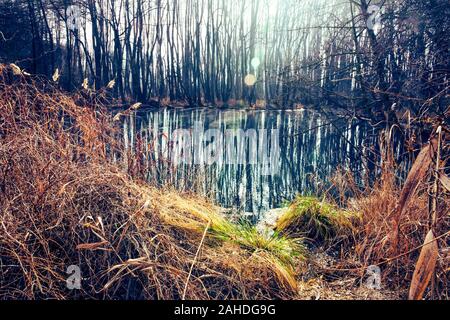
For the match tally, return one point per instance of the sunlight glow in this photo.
(250, 80)
(255, 63)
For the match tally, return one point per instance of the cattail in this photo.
(55, 76)
(111, 84)
(117, 117)
(136, 106)
(16, 69)
(85, 84)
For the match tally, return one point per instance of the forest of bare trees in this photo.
(224, 149)
(234, 51)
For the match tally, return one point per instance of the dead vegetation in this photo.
(396, 218)
(63, 202)
(402, 227)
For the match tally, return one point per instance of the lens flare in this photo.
(250, 80)
(255, 62)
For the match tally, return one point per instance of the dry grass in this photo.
(63, 202)
(365, 227)
(376, 204)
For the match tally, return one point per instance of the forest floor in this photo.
(321, 279)
(319, 283)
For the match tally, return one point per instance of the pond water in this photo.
(302, 149)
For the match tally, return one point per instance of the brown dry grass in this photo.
(376, 220)
(376, 204)
(64, 203)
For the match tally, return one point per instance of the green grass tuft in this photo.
(277, 251)
(316, 219)
(247, 236)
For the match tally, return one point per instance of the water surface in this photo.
(311, 147)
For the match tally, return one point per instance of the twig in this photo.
(435, 199)
(393, 258)
(436, 180)
(195, 259)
